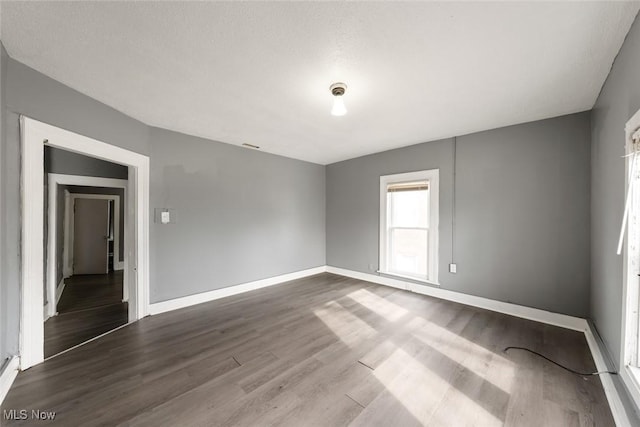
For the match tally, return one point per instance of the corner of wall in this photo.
(3, 299)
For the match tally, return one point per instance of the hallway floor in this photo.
(90, 306)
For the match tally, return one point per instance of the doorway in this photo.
(34, 136)
(85, 294)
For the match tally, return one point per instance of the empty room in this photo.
(319, 213)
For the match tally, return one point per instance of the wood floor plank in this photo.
(324, 350)
(89, 306)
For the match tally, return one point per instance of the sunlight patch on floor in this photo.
(470, 355)
(421, 390)
(378, 305)
(345, 325)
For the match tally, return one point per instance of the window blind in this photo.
(408, 186)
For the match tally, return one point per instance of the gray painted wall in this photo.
(522, 203)
(618, 101)
(241, 215)
(35, 95)
(66, 162)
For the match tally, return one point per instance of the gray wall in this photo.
(618, 101)
(68, 163)
(522, 203)
(241, 215)
(35, 95)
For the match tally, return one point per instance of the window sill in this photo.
(410, 278)
(632, 381)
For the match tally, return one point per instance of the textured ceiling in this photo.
(260, 72)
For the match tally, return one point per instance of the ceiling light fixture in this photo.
(337, 90)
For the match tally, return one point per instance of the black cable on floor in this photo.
(562, 366)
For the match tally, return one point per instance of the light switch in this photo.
(165, 217)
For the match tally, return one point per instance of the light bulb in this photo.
(338, 106)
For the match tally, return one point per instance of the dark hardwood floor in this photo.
(90, 306)
(320, 351)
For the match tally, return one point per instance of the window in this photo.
(630, 363)
(633, 256)
(409, 225)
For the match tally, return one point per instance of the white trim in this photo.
(88, 341)
(433, 176)
(34, 135)
(613, 397)
(8, 376)
(556, 319)
(58, 295)
(32, 236)
(629, 343)
(59, 290)
(401, 277)
(182, 302)
(630, 376)
(54, 180)
(543, 316)
(67, 265)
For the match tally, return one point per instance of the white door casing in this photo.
(34, 135)
(86, 181)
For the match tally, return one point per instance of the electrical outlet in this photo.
(453, 268)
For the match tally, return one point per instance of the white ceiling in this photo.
(260, 72)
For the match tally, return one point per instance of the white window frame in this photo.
(433, 176)
(630, 351)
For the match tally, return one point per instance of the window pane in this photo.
(408, 251)
(409, 208)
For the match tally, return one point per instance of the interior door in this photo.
(91, 236)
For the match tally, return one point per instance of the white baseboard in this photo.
(8, 375)
(59, 290)
(543, 316)
(118, 265)
(569, 322)
(621, 418)
(174, 304)
(615, 402)
(45, 313)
